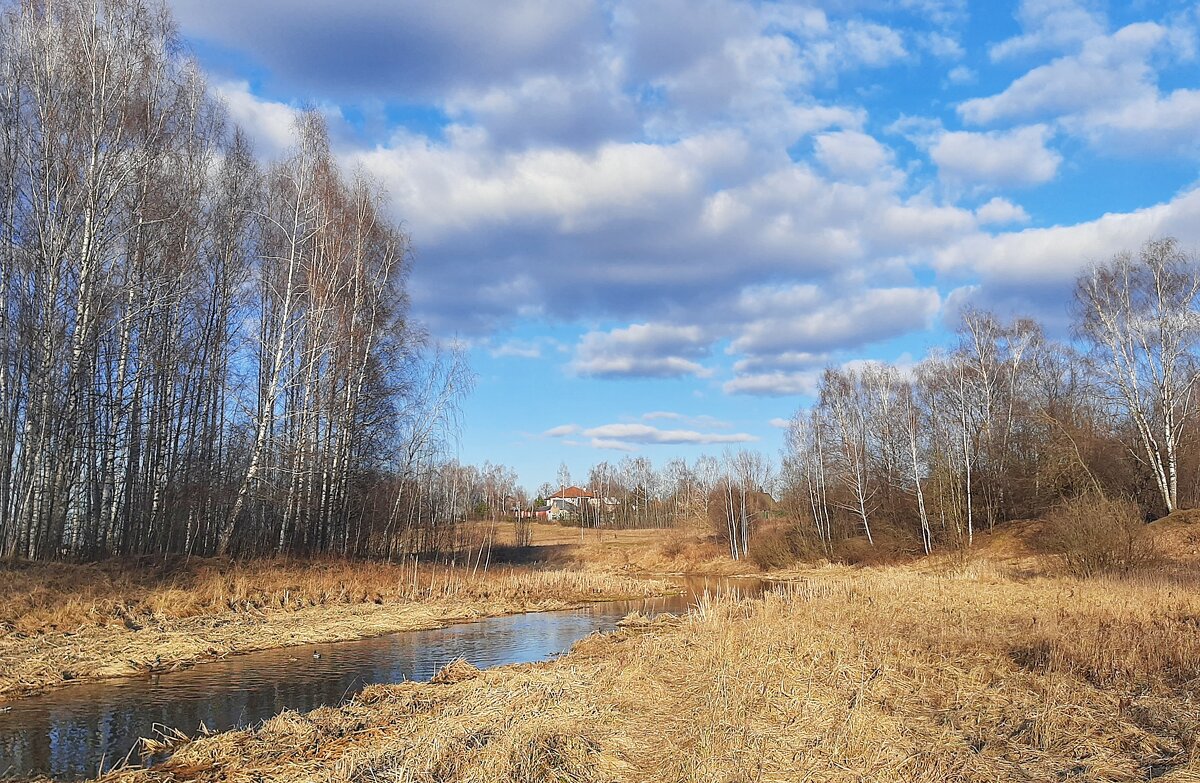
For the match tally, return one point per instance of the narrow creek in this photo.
(79, 731)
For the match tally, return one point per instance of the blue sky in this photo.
(654, 222)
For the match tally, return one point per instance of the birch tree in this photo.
(1138, 315)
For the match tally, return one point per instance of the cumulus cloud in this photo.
(961, 74)
(1001, 211)
(518, 349)
(645, 350)
(1040, 258)
(996, 158)
(703, 420)
(852, 155)
(407, 49)
(796, 332)
(1107, 92)
(1050, 25)
(1031, 272)
(942, 46)
(805, 319)
(634, 228)
(1109, 71)
(552, 183)
(627, 436)
(780, 360)
(683, 178)
(775, 384)
(270, 124)
(550, 109)
(649, 435)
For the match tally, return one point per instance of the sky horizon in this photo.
(654, 223)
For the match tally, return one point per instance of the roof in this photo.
(572, 492)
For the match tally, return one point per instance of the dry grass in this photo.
(684, 550)
(66, 622)
(877, 675)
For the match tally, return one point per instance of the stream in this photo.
(79, 731)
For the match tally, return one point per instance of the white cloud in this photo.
(1109, 71)
(1032, 272)
(806, 319)
(627, 436)
(646, 350)
(518, 349)
(942, 46)
(870, 44)
(648, 435)
(270, 124)
(961, 74)
(1050, 24)
(1001, 211)
(852, 155)
(656, 183)
(609, 444)
(780, 360)
(463, 185)
(780, 423)
(1107, 93)
(703, 420)
(1047, 258)
(550, 109)
(776, 384)
(1165, 124)
(996, 158)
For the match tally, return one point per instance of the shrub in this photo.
(1095, 535)
(523, 532)
(858, 552)
(771, 548)
(781, 546)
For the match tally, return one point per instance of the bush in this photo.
(857, 551)
(780, 547)
(1095, 535)
(771, 548)
(523, 532)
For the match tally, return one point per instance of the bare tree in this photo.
(1138, 315)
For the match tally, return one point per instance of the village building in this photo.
(574, 503)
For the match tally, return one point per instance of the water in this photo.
(77, 731)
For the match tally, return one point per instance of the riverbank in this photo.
(879, 674)
(64, 623)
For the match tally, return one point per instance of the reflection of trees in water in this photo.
(65, 733)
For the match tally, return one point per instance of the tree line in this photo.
(200, 352)
(1006, 423)
(731, 492)
(1010, 423)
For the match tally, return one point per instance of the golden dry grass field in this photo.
(872, 675)
(61, 623)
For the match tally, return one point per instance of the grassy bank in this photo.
(687, 549)
(60, 623)
(876, 675)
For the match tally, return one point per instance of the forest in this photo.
(200, 352)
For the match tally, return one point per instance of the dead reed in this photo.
(66, 622)
(883, 675)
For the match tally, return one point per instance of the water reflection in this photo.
(78, 731)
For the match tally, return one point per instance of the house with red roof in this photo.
(568, 503)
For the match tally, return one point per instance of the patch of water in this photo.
(81, 730)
